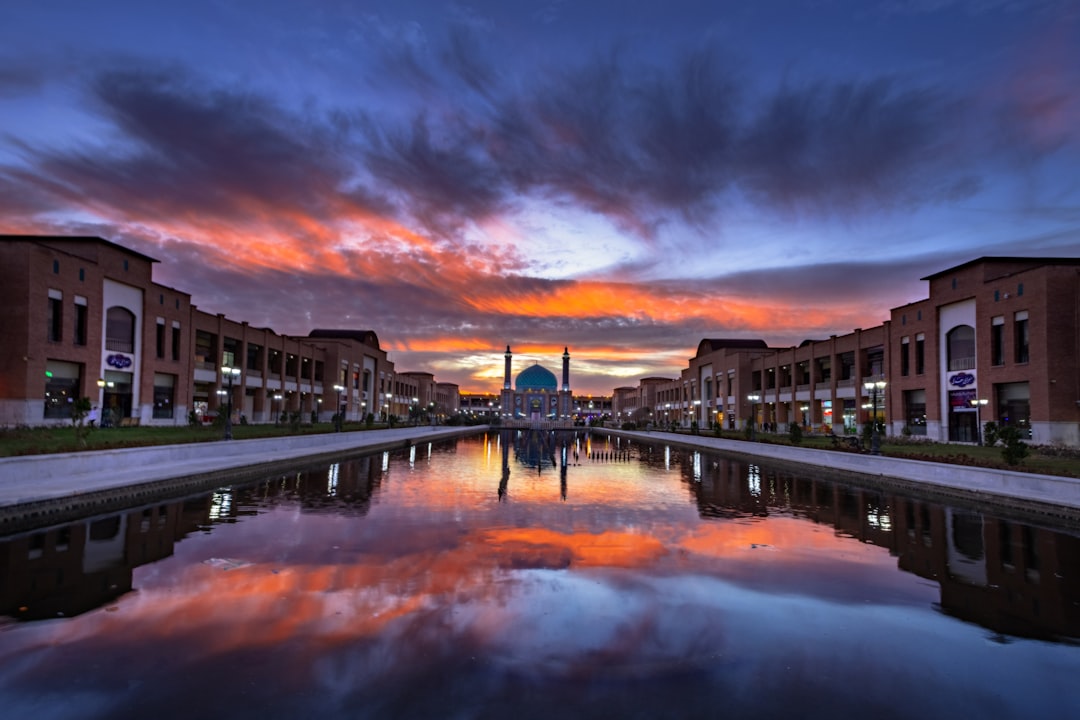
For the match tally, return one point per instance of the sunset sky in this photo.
(621, 177)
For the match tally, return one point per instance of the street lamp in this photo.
(874, 387)
(414, 410)
(230, 373)
(977, 403)
(753, 398)
(337, 416)
(389, 397)
(274, 401)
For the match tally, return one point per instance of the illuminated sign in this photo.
(118, 361)
(962, 379)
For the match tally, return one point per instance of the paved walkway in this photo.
(1049, 494)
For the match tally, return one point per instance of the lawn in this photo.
(40, 440)
(1044, 460)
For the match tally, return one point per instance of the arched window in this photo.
(960, 345)
(119, 329)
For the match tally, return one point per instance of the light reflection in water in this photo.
(616, 582)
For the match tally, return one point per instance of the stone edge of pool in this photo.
(41, 490)
(1032, 493)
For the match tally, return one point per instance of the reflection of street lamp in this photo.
(230, 373)
(874, 388)
(753, 398)
(977, 403)
(337, 416)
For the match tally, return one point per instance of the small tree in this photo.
(795, 433)
(369, 420)
(991, 433)
(79, 410)
(1014, 449)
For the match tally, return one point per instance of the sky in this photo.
(620, 177)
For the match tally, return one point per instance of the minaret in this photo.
(565, 369)
(506, 379)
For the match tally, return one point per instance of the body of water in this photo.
(539, 576)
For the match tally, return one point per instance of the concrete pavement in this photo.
(1049, 495)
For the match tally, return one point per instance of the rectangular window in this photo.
(254, 357)
(905, 357)
(1020, 336)
(997, 340)
(55, 317)
(61, 388)
(920, 354)
(80, 320)
(164, 394)
(176, 342)
(159, 340)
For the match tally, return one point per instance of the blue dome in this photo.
(536, 378)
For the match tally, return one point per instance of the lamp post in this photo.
(753, 398)
(414, 410)
(230, 373)
(977, 403)
(389, 396)
(874, 387)
(337, 415)
(275, 400)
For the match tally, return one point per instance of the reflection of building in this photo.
(1008, 576)
(76, 567)
(1003, 330)
(536, 394)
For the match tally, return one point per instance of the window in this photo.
(80, 320)
(119, 329)
(960, 347)
(1020, 289)
(164, 394)
(62, 382)
(905, 357)
(254, 357)
(55, 317)
(920, 354)
(1020, 336)
(915, 411)
(56, 267)
(159, 340)
(997, 340)
(176, 342)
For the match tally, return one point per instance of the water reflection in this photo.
(611, 579)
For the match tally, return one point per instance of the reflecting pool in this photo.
(531, 576)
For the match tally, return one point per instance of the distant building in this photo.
(536, 393)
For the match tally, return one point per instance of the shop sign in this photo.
(961, 379)
(118, 361)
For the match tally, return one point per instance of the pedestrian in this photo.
(92, 416)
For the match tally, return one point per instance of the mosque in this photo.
(536, 394)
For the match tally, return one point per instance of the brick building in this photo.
(996, 340)
(84, 318)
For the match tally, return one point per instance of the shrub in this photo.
(795, 433)
(1014, 449)
(991, 433)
